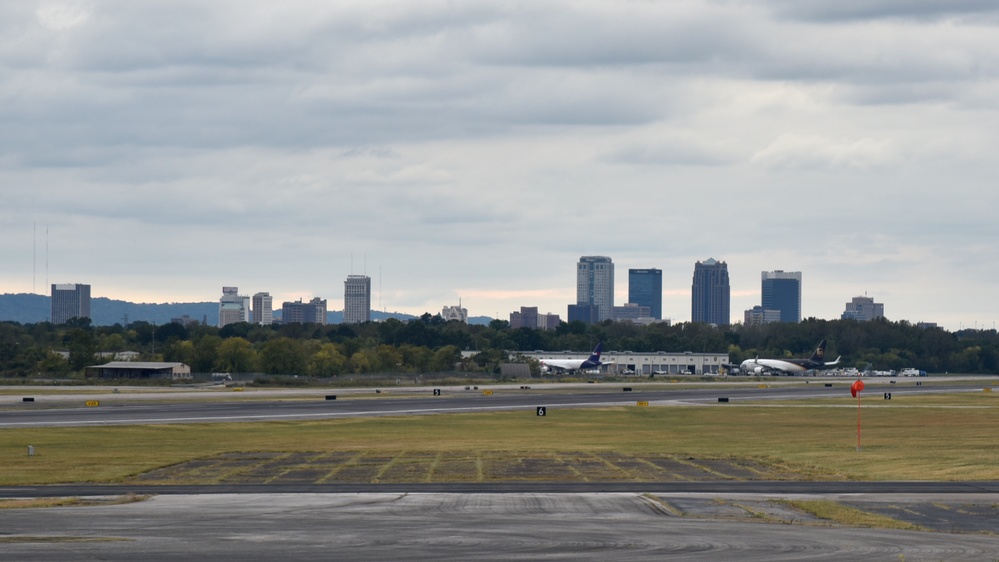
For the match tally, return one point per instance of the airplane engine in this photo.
(759, 370)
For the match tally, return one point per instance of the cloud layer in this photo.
(479, 149)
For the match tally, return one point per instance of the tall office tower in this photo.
(863, 309)
(263, 309)
(233, 307)
(782, 291)
(69, 300)
(298, 312)
(645, 288)
(709, 302)
(357, 299)
(595, 285)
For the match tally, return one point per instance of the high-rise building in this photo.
(758, 315)
(263, 309)
(710, 293)
(645, 288)
(527, 317)
(548, 321)
(458, 313)
(585, 313)
(69, 300)
(863, 309)
(233, 307)
(298, 312)
(357, 299)
(595, 285)
(781, 290)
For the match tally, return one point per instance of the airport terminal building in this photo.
(658, 363)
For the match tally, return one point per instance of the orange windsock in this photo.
(856, 387)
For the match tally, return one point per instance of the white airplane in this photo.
(570, 365)
(788, 366)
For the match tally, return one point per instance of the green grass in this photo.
(33, 503)
(898, 443)
(844, 515)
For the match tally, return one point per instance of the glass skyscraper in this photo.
(781, 290)
(645, 288)
(710, 293)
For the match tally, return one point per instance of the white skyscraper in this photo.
(357, 299)
(263, 309)
(233, 307)
(69, 300)
(595, 285)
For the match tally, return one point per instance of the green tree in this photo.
(205, 354)
(327, 362)
(360, 362)
(52, 364)
(283, 356)
(82, 348)
(446, 358)
(417, 358)
(235, 355)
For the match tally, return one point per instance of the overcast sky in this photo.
(160, 150)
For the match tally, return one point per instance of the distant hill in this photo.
(31, 308)
(28, 308)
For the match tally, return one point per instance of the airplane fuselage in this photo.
(570, 365)
(762, 366)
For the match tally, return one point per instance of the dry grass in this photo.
(898, 443)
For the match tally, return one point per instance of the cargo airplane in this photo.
(570, 365)
(788, 366)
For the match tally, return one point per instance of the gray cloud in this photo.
(853, 10)
(179, 146)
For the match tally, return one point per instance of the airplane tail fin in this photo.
(820, 352)
(595, 355)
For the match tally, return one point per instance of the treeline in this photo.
(428, 344)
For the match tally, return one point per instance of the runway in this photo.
(121, 409)
(416, 526)
(682, 520)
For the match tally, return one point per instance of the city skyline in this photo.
(472, 152)
(357, 288)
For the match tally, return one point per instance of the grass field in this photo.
(936, 441)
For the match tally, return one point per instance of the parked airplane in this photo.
(570, 365)
(788, 366)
